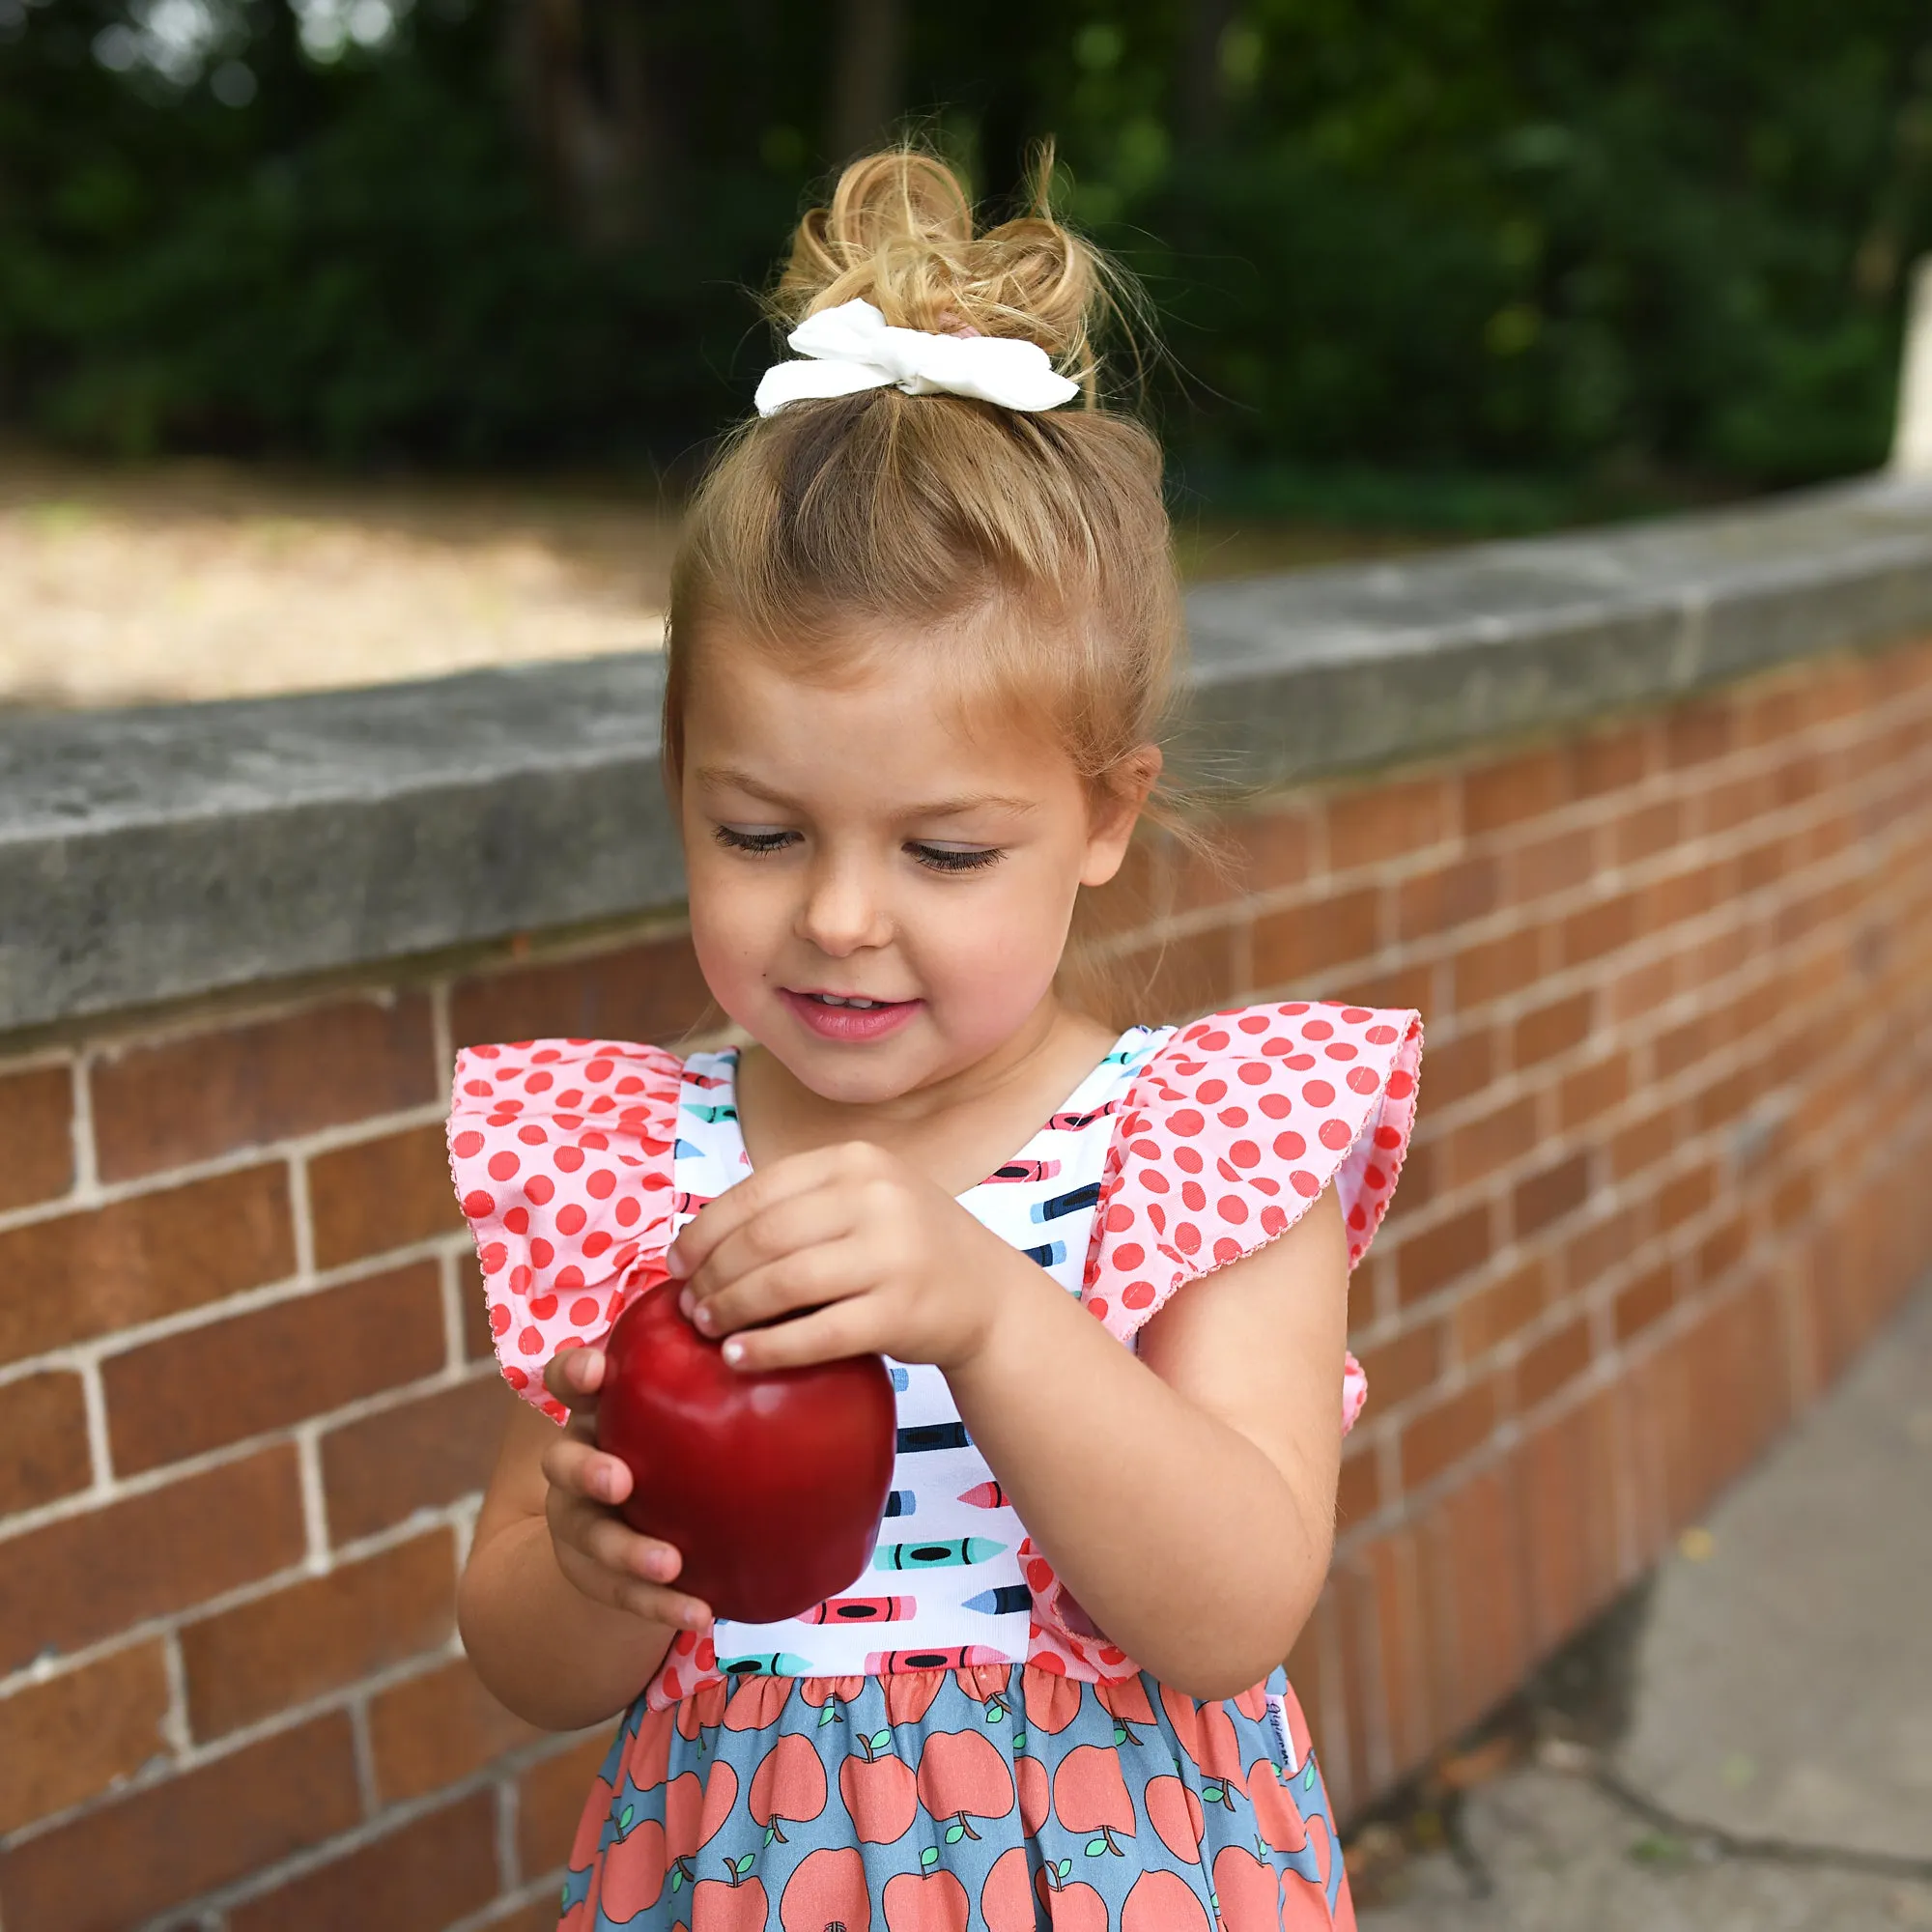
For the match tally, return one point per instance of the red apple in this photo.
(770, 1487)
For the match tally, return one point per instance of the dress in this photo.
(949, 1744)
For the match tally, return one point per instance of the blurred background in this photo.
(399, 325)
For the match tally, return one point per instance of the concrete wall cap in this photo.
(156, 853)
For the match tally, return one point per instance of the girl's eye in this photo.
(955, 858)
(733, 839)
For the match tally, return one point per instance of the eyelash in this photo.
(934, 857)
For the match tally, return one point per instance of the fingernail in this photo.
(674, 1263)
(685, 1302)
(734, 1351)
(705, 1318)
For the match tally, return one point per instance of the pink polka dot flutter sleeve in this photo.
(561, 1150)
(1233, 1131)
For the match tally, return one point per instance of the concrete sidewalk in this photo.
(1747, 1745)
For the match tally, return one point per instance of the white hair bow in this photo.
(852, 348)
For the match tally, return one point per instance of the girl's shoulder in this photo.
(1233, 1127)
(562, 1154)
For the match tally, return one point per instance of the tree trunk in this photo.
(867, 76)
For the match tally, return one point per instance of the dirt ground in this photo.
(193, 580)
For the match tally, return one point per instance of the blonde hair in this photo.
(818, 527)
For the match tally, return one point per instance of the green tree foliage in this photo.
(1530, 238)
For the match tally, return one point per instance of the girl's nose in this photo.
(842, 913)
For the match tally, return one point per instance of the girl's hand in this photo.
(885, 1263)
(596, 1549)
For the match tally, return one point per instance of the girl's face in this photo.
(880, 888)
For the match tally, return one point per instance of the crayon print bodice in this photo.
(945, 1586)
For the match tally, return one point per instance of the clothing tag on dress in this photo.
(1284, 1736)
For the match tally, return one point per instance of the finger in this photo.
(622, 1592)
(806, 1279)
(826, 1335)
(574, 1375)
(808, 1220)
(796, 1174)
(581, 1469)
(610, 1542)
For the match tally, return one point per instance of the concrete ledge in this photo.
(152, 854)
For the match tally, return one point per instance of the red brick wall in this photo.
(1675, 1123)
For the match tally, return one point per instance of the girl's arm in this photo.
(561, 1606)
(1186, 1495)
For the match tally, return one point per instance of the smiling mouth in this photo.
(851, 1000)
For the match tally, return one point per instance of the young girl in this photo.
(922, 630)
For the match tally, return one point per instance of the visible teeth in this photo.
(833, 1000)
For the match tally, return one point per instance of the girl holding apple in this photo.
(923, 628)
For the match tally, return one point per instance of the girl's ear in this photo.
(1115, 810)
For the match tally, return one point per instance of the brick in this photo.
(1602, 1245)
(1643, 1143)
(1389, 1567)
(1433, 1259)
(84, 1577)
(1553, 1363)
(1682, 1046)
(1559, 1189)
(1453, 895)
(1358, 1494)
(1639, 989)
(1567, 1481)
(1445, 1434)
(1686, 895)
(86, 1274)
(274, 1366)
(1493, 1140)
(551, 1797)
(1488, 1316)
(538, 1915)
(44, 1451)
(1546, 867)
(424, 1453)
(1725, 806)
(1497, 968)
(478, 1343)
(1646, 1300)
(1722, 1248)
(1552, 1030)
(1647, 829)
(1685, 1195)
(1474, 1595)
(418, 1878)
(1593, 1091)
(1598, 929)
(245, 1664)
(1390, 820)
(1275, 848)
(193, 1096)
(1509, 793)
(36, 1135)
(1306, 939)
(1610, 761)
(650, 991)
(435, 1728)
(123, 1862)
(380, 1194)
(1697, 733)
(1407, 1365)
(72, 1737)
(1461, 1065)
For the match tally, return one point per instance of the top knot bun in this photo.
(899, 234)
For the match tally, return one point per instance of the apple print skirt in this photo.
(997, 1798)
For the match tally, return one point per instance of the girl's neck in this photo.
(955, 1130)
